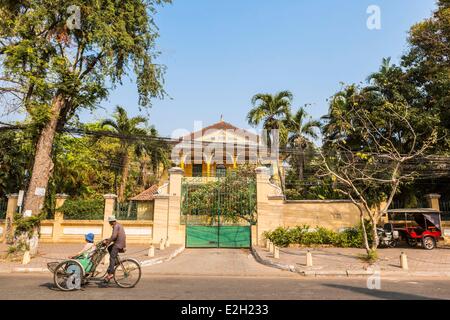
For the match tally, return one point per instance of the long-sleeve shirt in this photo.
(118, 236)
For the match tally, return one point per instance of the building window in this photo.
(197, 170)
(221, 171)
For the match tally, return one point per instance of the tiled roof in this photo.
(146, 195)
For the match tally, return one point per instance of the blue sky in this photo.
(220, 53)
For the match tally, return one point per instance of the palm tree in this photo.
(155, 153)
(301, 131)
(271, 111)
(126, 127)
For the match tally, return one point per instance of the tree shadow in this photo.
(381, 294)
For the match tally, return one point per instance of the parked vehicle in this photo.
(417, 226)
(387, 236)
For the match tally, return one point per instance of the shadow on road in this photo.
(381, 294)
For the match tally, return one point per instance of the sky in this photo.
(219, 54)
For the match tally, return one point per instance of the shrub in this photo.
(303, 235)
(83, 209)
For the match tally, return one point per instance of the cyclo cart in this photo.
(71, 274)
(417, 226)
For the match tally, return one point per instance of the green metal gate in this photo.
(218, 214)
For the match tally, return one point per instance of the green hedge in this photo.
(83, 209)
(304, 235)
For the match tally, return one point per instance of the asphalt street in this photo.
(155, 287)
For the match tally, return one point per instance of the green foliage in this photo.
(370, 257)
(233, 197)
(27, 225)
(305, 236)
(14, 160)
(83, 209)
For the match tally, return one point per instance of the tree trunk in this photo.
(374, 235)
(124, 177)
(363, 226)
(301, 164)
(42, 167)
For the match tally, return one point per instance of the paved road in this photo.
(225, 274)
(225, 288)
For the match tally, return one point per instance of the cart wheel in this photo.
(411, 242)
(128, 273)
(429, 243)
(68, 275)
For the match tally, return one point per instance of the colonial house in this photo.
(212, 151)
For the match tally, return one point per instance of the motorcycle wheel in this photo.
(411, 242)
(393, 243)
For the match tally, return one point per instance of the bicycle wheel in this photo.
(127, 273)
(68, 275)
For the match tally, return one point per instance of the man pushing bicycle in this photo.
(118, 238)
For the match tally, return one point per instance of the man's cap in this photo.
(112, 219)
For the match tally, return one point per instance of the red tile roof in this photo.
(147, 195)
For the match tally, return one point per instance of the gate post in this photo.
(175, 231)
(269, 205)
(59, 218)
(110, 201)
(433, 201)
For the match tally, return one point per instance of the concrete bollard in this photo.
(271, 248)
(167, 244)
(26, 257)
(404, 261)
(309, 261)
(151, 251)
(161, 244)
(276, 253)
(267, 244)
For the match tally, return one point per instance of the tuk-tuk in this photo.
(417, 226)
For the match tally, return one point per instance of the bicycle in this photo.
(71, 274)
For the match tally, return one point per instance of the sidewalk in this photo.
(52, 252)
(347, 261)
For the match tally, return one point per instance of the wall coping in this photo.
(176, 170)
(62, 196)
(275, 197)
(433, 196)
(161, 196)
(110, 196)
(262, 170)
(13, 195)
(319, 201)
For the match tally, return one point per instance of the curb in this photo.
(270, 263)
(344, 273)
(144, 263)
(152, 262)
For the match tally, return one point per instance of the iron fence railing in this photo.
(126, 210)
(3, 206)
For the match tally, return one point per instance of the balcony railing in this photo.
(200, 180)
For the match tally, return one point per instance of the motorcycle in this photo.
(387, 236)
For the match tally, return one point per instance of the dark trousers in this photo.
(113, 252)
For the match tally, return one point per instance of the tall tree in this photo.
(126, 128)
(427, 64)
(58, 57)
(301, 131)
(369, 146)
(272, 111)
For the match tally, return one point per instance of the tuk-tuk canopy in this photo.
(421, 215)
